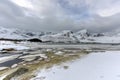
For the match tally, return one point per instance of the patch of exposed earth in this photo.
(22, 65)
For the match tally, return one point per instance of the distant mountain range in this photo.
(9, 33)
(65, 36)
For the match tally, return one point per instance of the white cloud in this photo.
(104, 8)
(23, 3)
(57, 15)
(108, 12)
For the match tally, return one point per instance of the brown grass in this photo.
(52, 60)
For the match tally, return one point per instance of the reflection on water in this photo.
(11, 62)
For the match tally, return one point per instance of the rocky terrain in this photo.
(23, 64)
(22, 60)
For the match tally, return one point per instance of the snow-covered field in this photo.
(95, 66)
(103, 39)
(9, 44)
(74, 46)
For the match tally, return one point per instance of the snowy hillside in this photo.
(83, 36)
(8, 33)
(65, 36)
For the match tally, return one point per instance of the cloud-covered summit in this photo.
(57, 15)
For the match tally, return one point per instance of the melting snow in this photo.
(95, 66)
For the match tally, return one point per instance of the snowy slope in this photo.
(95, 66)
(82, 34)
(75, 37)
(11, 33)
(86, 36)
(64, 36)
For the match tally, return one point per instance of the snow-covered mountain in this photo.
(8, 33)
(65, 36)
(82, 34)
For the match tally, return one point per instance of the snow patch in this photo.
(95, 66)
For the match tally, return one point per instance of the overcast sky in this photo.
(58, 15)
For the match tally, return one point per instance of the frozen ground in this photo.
(74, 46)
(102, 39)
(95, 66)
(9, 56)
(9, 44)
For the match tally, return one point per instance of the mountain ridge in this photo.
(65, 36)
